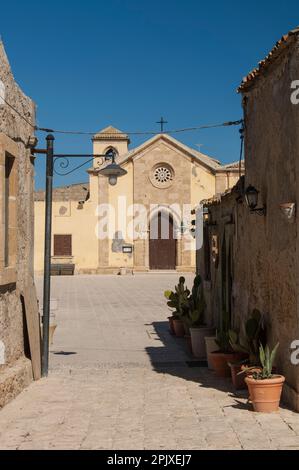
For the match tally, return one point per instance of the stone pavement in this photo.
(119, 380)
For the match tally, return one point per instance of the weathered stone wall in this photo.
(271, 145)
(16, 373)
(265, 249)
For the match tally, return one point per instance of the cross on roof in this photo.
(162, 122)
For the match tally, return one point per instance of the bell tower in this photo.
(110, 138)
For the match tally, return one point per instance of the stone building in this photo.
(165, 179)
(16, 235)
(250, 259)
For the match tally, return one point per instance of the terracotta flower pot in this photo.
(219, 361)
(248, 373)
(171, 327)
(179, 328)
(198, 340)
(265, 394)
(211, 346)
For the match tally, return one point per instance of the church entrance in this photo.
(162, 244)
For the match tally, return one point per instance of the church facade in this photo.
(143, 222)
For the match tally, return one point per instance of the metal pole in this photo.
(47, 260)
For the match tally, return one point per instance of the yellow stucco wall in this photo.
(80, 223)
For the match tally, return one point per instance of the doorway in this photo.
(162, 243)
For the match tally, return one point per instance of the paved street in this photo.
(119, 380)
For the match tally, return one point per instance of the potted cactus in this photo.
(178, 300)
(265, 387)
(196, 319)
(226, 353)
(167, 295)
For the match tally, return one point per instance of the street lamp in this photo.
(251, 198)
(113, 171)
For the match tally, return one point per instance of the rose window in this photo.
(163, 175)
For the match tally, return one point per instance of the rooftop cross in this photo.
(162, 122)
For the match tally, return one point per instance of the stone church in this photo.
(164, 179)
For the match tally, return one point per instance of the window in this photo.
(62, 245)
(8, 209)
(110, 152)
(162, 175)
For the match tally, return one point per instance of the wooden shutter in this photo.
(62, 245)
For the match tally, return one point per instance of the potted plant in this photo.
(265, 387)
(196, 321)
(178, 301)
(225, 354)
(255, 334)
(167, 295)
(211, 346)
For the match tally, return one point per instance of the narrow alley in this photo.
(119, 380)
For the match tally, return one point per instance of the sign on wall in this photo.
(127, 249)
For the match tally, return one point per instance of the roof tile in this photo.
(268, 60)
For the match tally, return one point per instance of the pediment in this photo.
(170, 143)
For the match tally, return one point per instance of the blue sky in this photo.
(88, 64)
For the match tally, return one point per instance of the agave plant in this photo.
(267, 358)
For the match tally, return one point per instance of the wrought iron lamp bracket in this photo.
(63, 162)
(262, 211)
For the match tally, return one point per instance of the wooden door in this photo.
(162, 248)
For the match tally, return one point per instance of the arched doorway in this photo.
(162, 243)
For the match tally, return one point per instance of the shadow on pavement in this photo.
(174, 358)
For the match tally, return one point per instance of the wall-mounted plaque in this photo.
(127, 249)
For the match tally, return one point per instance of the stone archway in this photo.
(162, 242)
